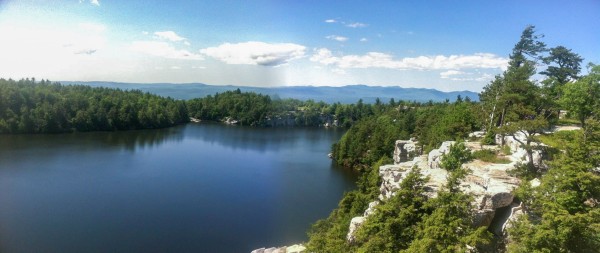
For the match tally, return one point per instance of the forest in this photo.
(27, 106)
(562, 213)
(254, 109)
(30, 106)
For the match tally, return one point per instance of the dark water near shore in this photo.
(192, 188)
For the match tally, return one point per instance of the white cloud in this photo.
(337, 38)
(448, 74)
(256, 53)
(169, 35)
(338, 71)
(144, 32)
(356, 25)
(163, 49)
(330, 21)
(175, 67)
(94, 2)
(382, 60)
(456, 75)
(363, 40)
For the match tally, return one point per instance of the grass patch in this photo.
(568, 122)
(558, 139)
(489, 156)
(505, 150)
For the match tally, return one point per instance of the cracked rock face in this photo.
(491, 187)
(489, 183)
(406, 150)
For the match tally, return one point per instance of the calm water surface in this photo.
(192, 188)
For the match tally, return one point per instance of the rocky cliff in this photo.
(489, 183)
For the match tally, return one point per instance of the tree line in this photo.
(253, 109)
(27, 106)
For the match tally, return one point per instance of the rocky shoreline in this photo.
(296, 248)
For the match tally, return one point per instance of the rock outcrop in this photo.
(435, 156)
(519, 154)
(355, 223)
(406, 150)
(489, 183)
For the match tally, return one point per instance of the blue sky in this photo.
(446, 45)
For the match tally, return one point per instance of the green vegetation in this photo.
(254, 109)
(558, 139)
(581, 98)
(489, 156)
(457, 155)
(432, 123)
(563, 212)
(561, 215)
(44, 107)
(449, 226)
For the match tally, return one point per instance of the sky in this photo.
(445, 45)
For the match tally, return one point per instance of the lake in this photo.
(191, 188)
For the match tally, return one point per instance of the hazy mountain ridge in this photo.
(329, 94)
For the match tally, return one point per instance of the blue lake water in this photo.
(191, 188)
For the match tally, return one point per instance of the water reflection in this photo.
(259, 138)
(127, 140)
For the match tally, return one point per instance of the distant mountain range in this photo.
(344, 94)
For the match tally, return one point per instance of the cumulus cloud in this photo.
(256, 53)
(382, 60)
(363, 40)
(337, 38)
(163, 49)
(356, 25)
(170, 36)
(450, 73)
(330, 21)
(456, 75)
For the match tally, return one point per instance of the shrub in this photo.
(489, 156)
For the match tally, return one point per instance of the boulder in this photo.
(371, 209)
(477, 134)
(354, 225)
(435, 156)
(296, 248)
(406, 150)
